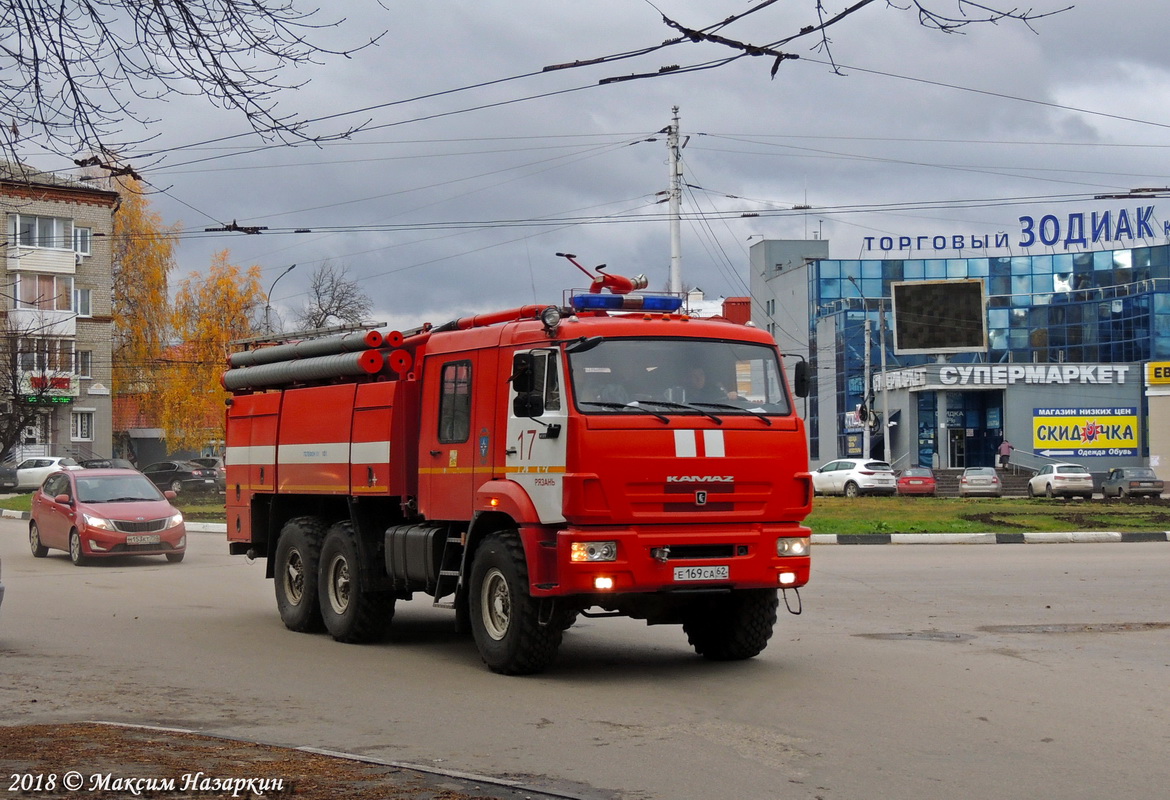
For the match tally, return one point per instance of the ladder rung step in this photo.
(437, 604)
(451, 573)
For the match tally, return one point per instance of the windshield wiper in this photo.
(688, 406)
(625, 407)
(127, 499)
(759, 414)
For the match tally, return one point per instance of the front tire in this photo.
(298, 553)
(76, 554)
(734, 626)
(34, 541)
(175, 558)
(350, 612)
(504, 617)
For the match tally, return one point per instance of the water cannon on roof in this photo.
(617, 284)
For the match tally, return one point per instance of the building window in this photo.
(47, 355)
(44, 292)
(82, 240)
(83, 302)
(54, 233)
(84, 364)
(81, 426)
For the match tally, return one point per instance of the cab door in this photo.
(453, 458)
(537, 443)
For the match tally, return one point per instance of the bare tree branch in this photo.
(334, 298)
(70, 70)
(929, 12)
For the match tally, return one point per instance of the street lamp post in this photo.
(268, 299)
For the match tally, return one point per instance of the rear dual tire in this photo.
(351, 613)
(298, 556)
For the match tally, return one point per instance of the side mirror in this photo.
(63, 499)
(801, 379)
(528, 404)
(523, 374)
(170, 494)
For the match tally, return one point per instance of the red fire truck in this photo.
(605, 456)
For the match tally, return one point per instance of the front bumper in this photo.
(100, 543)
(668, 559)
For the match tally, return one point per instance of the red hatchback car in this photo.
(917, 480)
(97, 513)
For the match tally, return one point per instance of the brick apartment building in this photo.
(56, 271)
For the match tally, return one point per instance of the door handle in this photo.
(436, 452)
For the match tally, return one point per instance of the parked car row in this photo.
(853, 477)
(194, 475)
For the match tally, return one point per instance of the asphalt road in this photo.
(914, 672)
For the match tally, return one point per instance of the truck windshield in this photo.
(678, 376)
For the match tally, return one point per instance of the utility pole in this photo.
(672, 145)
(865, 427)
(887, 455)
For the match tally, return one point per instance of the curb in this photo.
(10, 514)
(207, 527)
(1072, 537)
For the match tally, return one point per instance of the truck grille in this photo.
(687, 551)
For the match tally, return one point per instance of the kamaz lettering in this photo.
(700, 479)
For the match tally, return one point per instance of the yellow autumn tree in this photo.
(143, 248)
(210, 311)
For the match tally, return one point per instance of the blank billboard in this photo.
(939, 316)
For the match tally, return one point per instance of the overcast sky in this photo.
(465, 211)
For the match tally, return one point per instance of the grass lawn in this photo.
(983, 515)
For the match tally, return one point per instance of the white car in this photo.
(32, 472)
(855, 476)
(1062, 480)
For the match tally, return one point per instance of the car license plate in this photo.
(720, 572)
(143, 538)
(915, 483)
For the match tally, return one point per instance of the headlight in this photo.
(797, 546)
(101, 523)
(593, 551)
(175, 519)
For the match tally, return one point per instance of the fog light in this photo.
(787, 578)
(95, 546)
(592, 551)
(607, 583)
(792, 546)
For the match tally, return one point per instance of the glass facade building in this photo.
(1108, 307)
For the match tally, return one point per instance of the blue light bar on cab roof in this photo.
(626, 302)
